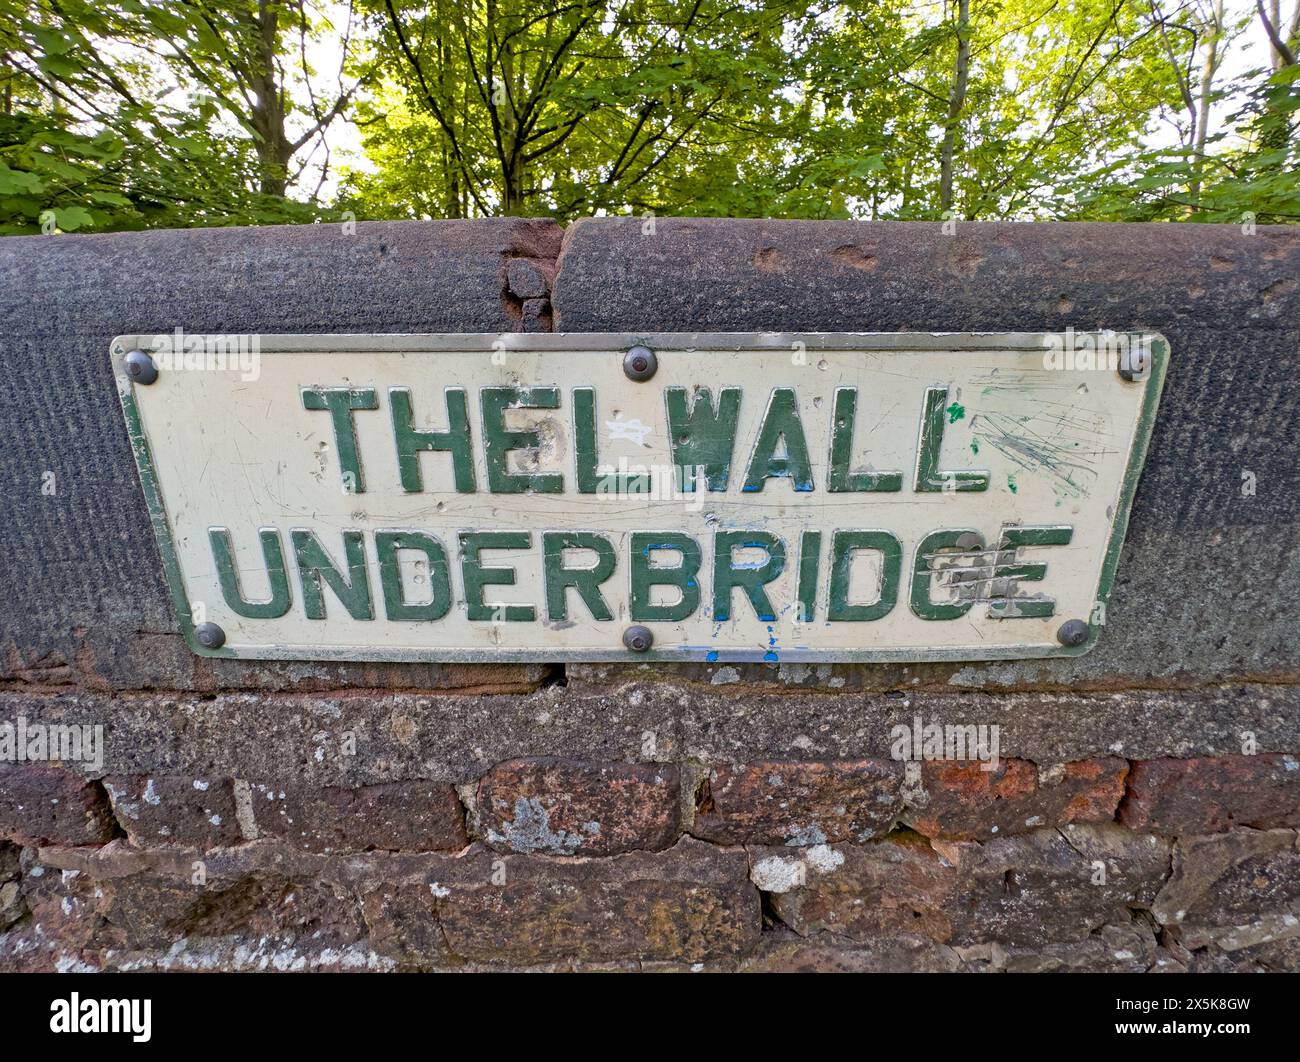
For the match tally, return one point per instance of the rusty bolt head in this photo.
(640, 363)
(638, 639)
(140, 367)
(210, 636)
(1073, 632)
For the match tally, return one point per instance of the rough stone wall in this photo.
(312, 815)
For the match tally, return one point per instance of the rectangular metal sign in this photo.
(733, 497)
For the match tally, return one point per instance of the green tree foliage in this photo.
(140, 113)
(155, 112)
(1244, 169)
(567, 106)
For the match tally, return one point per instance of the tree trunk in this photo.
(1209, 68)
(267, 116)
(956, 101)
(511, 150)
(451, 197)
(1273, 127)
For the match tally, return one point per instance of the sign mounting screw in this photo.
(1073, 632)
(638, 639)
(140, 367)
(210, 636)
(1134, 361)
(640, 363)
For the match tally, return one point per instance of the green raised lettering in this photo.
(396, 607)
(751, 578)
(316, 567)
(477, 577)
(1012, 538)
(842, 478)
(810, 549)
(843, 546)
(586, 453)
(499, 441)
(685, 576)
(703, 436)
(780, 422)
(586, 581)
(228, 575)
(340, 402)
(929, 477)
(411, 441)
(922, 574)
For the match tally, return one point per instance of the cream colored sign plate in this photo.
(771, 497)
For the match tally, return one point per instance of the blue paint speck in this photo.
(771, 656)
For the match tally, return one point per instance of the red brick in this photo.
(1053, 885)
(799, 803)
(965, 802)
(403, 924)
(784, 952)
(1018, 891)
(157, 810)
(569, 808)
(1212, 793)
(412, 816)
(692, 903)
(131, 899)
(12, 907)
(1236, 889)
(881, 890)
(40, 804)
